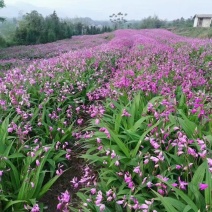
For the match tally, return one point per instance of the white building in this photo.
(202, 20)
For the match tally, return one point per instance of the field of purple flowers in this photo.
(22, 55)
(136, 109)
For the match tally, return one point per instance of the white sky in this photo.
(136, 9)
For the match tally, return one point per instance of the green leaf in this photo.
(187, 125)
(59, 155)
(14, 175)
(117, 121)
(183, 196)
(48, 185)
(16, 155)
(11, 203)
(193, 186)
(82, 196)
(199, 174)
(121, 145)
(3, 130)
(153, 100)
(111, 179)
(139, 122)
(176, 203)
(135, 151)
(208, 191)
(187, 208)
(165, 202)
(38, 185)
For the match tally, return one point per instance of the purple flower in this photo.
(98, 140)
(93, 191)
(99, 198)
(109, 192)
(178, 167)
(10, 129)
(203, 186)
(120, 202)
(113, 154)
(35, 208)
(136, 169)
(79, 121)
(102, 207)
(125, 113)
(174, 184)
(37, 163)
(97, 121)
(182, 184)
(117, 163)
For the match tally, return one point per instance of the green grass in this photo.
(194, 32)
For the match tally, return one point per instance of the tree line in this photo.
(154, 22)
(34, 29)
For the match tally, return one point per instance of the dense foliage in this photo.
(35, 29)
(153, 22)
(23, 55)
(1, 6)
(2, 40)
(137, 109)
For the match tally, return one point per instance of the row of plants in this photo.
(151, 150)
(17, 56)
(38, 116)
(147, 163)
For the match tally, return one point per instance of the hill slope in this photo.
(194, 32)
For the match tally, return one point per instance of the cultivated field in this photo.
(130, 110)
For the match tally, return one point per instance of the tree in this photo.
(51, 36)
(181, 22)
(55, 24)
(118, 20)
(78, 28)
(151, 23)
(30, 28)
(1, 6)
(3, 42)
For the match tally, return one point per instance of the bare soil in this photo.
(50, 199)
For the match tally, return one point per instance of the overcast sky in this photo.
(136, 9)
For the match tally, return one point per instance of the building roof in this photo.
(203, 16)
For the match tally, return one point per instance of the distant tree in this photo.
(78, 28)
(51, 36)
(181, 22)
(55, 24)
(30, 28)
(3, 42)
(34, 28)
(1, 6)
(21, 34)
(44, 36)
(118, 20)
(151, 23)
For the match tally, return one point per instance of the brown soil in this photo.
(50, 199)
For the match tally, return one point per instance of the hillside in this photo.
(194, 32)
(121, 120)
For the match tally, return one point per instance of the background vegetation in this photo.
(33, 28)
